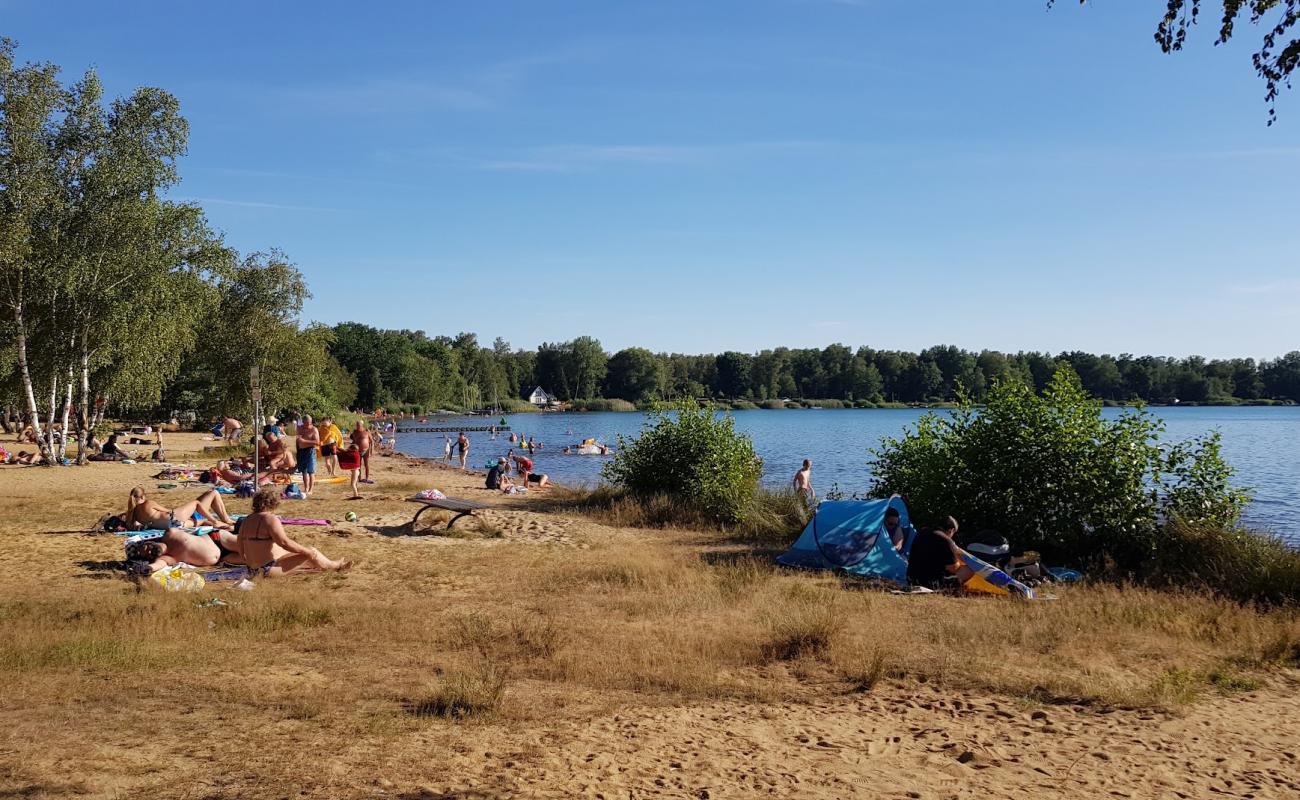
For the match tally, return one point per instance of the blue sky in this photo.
(732, 174)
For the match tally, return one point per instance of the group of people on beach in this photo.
(313, 444)
(498, 475)
(257, 541)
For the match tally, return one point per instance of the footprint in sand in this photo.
(885, 747)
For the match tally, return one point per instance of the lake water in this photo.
(1263, 443)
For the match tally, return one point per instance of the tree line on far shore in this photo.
(414, 371)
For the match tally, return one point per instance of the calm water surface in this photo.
(1262, 443)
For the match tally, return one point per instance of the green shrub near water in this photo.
(602, 404)
(1054, 475)
(691, 453)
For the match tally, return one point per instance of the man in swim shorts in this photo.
(178, 546)
(231, 429)
(331, 438)
(803, 482)
(307, 441)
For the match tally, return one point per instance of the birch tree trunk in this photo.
(49, 428)
(67, 408)
(83, 411)
(29, 393)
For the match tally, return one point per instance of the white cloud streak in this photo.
(221, 201)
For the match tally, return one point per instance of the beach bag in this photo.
(245, 489)
(991, 547)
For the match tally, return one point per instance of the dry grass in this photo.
(383, 660)
(463, 693)
(772, 520)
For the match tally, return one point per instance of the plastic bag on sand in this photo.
(430, 494)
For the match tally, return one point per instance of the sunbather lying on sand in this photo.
(232, 472)
(266, 547)
(146, 514)
(177, 546)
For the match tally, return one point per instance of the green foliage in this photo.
(634, 374)
(1276, 58)
(1054, 475)
(601, 405)
(256, 324)
(690, 452)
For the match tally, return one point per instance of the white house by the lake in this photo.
(540, 397)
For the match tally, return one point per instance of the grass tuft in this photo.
(807, 630)
(472, 692)
(1243, 565)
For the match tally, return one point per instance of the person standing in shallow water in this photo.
(803, 482)
(462, 444)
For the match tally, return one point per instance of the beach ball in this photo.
(351, 516)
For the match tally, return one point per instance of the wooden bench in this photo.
(461, 508)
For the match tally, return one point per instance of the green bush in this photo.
(1054, 475)
(690, 452)
(772, 404)
(513, 405)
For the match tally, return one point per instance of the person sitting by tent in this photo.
(181, 546)
(895, 529)
(935, 557)
(143, 513)
(267, 548)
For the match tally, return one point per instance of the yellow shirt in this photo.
(331, 434)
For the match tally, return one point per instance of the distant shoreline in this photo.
(842, 406)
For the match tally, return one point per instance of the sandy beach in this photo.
(628, 664)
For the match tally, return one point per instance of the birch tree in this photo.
(30, 97)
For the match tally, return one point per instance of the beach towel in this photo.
(140, 536)
(349, 459)
(296, 521)
(430, 494)
(988, 579)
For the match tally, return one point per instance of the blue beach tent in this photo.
(850, 535)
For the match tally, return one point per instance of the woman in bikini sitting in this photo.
(146, 514)
(266, 547)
